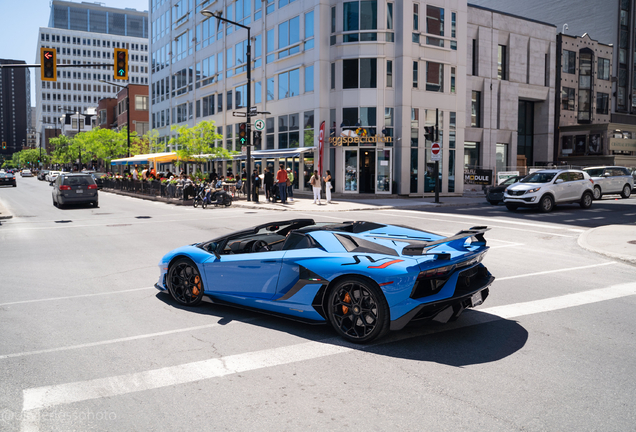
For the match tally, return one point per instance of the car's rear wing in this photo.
(422, 247)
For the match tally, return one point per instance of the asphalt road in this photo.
(87, 343)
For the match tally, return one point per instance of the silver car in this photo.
(611, 180)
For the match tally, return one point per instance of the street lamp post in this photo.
(127, 108)
(248, 56)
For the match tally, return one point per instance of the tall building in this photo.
(376, 72)
(15, 107)
(85, 33)
(608, 22)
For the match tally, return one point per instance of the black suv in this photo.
(74, 189)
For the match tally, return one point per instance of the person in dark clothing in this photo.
(213, 177)
(256, 184)
(269, 182)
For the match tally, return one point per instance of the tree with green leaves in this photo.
(63, 150)
(191, 142)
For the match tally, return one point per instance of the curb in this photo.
(4, 213)
(584, 243)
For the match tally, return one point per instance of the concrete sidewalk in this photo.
(4, 212)
(613, 241)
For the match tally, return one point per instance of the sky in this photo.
(20, 21)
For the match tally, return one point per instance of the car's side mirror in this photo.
(607, 175)
(213, 247)
(558, 181)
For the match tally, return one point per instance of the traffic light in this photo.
(243, 133)
(4, 145)
(48, 64)
(429, 133)
(257, 139)
(121, 63)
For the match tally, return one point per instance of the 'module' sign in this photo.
(477, 177)
(338, 141)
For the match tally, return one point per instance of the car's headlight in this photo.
(533, 190)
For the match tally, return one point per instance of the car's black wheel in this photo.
(546, 204)
(54, 202)
(512, 207)
(627, 191)
(597, 193)
(586, 200)
(184, 282)
(358, 310)
(493, 202)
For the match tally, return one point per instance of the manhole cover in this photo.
(143, 217)
(632, 242)
(63, 221)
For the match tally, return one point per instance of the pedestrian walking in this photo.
(328, 186)
(256, 184)
(290, 184)
(268, 180)
(281, 178)
(316, 183)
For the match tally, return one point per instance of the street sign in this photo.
(436, 151)
(239, 114)
(259, 125)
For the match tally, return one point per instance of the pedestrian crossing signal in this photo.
(121, 63)
(48, 64)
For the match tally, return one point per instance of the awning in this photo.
(145, 159)
(277, 153)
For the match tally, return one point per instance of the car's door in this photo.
(561, 187)
(245, 274)
(579, 184)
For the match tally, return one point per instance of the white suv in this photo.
(611, 180)
(547, 188)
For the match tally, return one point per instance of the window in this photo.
(452, 80)
(415, 74)
(453, 30)
(332, 39)
(309, 30)
(271, 47)
(141, 103)
(416, 23)
(475, 52)
(289, 34)
(258, 90)
(390, 36)
(270, 89)
(388, 124)
(208, 105)
(602, 103)
(288, 131)
(502, 72)
(471, 155)
(309, 79)
(585, 86)
(333, 76)
(308, 135)
(567, 98)
(434, 25)
(389, 73)
(365, 78)
(569, 62)
(603, 69)
(501, 155)
(434, 77)
(288, 84)
(240, 96)
(475, 109)
(362, 15)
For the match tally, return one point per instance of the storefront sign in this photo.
(477, 177)
(321, 145)
(338, 141)
(505, 175)
(620, 144)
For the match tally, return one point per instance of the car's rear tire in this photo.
(546, 204)
(357, 310)
(597, 193)
(54, 202)
(586, 200)
(512, 207)
(627, 191)
(184, 282)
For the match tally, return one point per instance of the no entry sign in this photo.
(436, 150)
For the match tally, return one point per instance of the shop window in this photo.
(567, 98)
(471, 155)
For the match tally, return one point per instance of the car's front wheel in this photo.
(546, 204)
(184, 282)
(358, 310)
(627, 191)
(586, 200)
(597, 193)
(512, 207)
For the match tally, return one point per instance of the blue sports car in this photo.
(363, 278)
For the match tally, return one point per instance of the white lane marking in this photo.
(47, 396)
(508, 245)
(576, 230)
(562, 302)
(486, 218)
(555, 271)
(75, 296)
(489, 225)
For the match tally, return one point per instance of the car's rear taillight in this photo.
(65, 187)
(436, 272)
(93, 186)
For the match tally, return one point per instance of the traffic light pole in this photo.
(437, 162)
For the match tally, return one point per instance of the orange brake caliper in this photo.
(197, 286)
(347, 299)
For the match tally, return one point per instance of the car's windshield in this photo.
(510, 181)
(594, 172)
(539, 177)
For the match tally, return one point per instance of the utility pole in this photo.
(437, 162)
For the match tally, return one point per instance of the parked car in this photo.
(547, 188)
(7, 179)
(42, 174)
(99, 178)
(495, 194)
(26, 173)
(74, 188)
(362, 278)
(52, 175)
(611, 180)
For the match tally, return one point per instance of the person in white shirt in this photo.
(328, 186)
(135, 174)
(316, 182)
